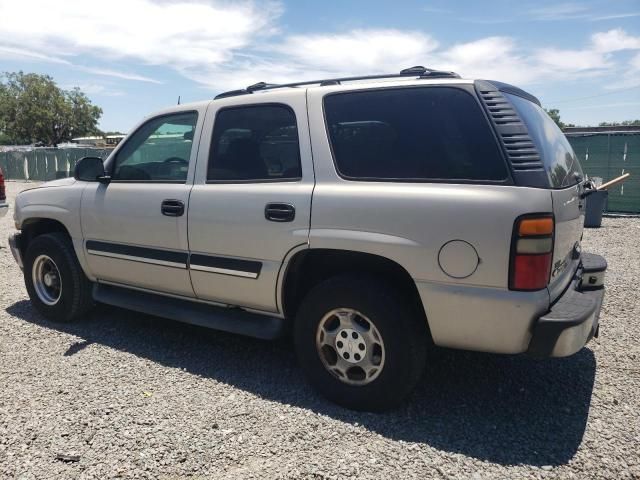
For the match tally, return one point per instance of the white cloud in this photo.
(615, 16)
(117, 74)
(223, 45)
(629, 77)
(312, 57)
(493, 57)
(560, 11)
(15, 53)
(359, 51)
(573, 61)
(614, 40)
(183, 34)
(94, 89)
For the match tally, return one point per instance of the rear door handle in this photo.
(279, 212)
(172, 208)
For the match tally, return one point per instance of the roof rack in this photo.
(417, 71)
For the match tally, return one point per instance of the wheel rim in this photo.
(350, 346)
(47, 281)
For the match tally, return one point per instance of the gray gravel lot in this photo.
(140, 397)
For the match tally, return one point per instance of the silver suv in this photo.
(373, 216)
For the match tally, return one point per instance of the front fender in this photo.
(58, 202)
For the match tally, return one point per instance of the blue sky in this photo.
(135, 56)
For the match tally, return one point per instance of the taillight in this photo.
(3, 193)
(531, 252)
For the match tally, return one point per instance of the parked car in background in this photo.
(4, 207)
(374, 216)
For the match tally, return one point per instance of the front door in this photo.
(135, 228)
(251, 202)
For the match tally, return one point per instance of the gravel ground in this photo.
(140, 397)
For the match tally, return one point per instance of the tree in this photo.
(34, 109)
(625, 123)
(554, 113)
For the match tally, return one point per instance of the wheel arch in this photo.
(308, 267)
(35, 226)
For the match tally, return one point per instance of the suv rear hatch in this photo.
(566, 187)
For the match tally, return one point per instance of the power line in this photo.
(568, 100)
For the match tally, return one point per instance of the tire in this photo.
(396, 363)
(73, 297)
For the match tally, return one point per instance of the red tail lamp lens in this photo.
(532, 253)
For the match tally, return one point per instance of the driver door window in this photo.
(159, 151)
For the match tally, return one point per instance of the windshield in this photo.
(559, 160)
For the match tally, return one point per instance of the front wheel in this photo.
(56, 284)
(360, 342)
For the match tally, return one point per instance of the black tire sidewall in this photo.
(55, 248)
(398, 324)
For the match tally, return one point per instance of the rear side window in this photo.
(560, 162)
(419, 134)
(255, 143)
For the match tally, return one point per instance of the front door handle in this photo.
(279, 212)
(172, 208)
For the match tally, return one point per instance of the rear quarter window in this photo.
(560, 162)
(412, 134)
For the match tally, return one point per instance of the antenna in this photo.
(178, 99)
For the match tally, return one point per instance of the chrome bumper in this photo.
(14, 245)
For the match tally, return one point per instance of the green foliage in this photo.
(554, 113)
(625, 123)
(33, 109)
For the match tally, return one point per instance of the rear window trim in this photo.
(250, 180)
(469, 90)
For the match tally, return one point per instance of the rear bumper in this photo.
(14, 245)
(4, 208)
(574, 318)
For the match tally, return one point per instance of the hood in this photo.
(61, 182)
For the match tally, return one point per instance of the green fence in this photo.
(604, 154)
(609, 155)
(43, 164)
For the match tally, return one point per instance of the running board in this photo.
(233, 320)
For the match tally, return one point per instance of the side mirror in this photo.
(91, 169)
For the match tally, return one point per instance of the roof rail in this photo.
(417, 71)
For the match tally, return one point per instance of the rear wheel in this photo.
(360, 342)
(56, 284)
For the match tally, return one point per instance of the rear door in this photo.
(565, 178)
(251, 202)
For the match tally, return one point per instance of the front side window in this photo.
(560, 162)
(255, 143)
(412, 134)
(159, 151)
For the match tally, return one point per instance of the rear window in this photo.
(419, 134)
(560, 162)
